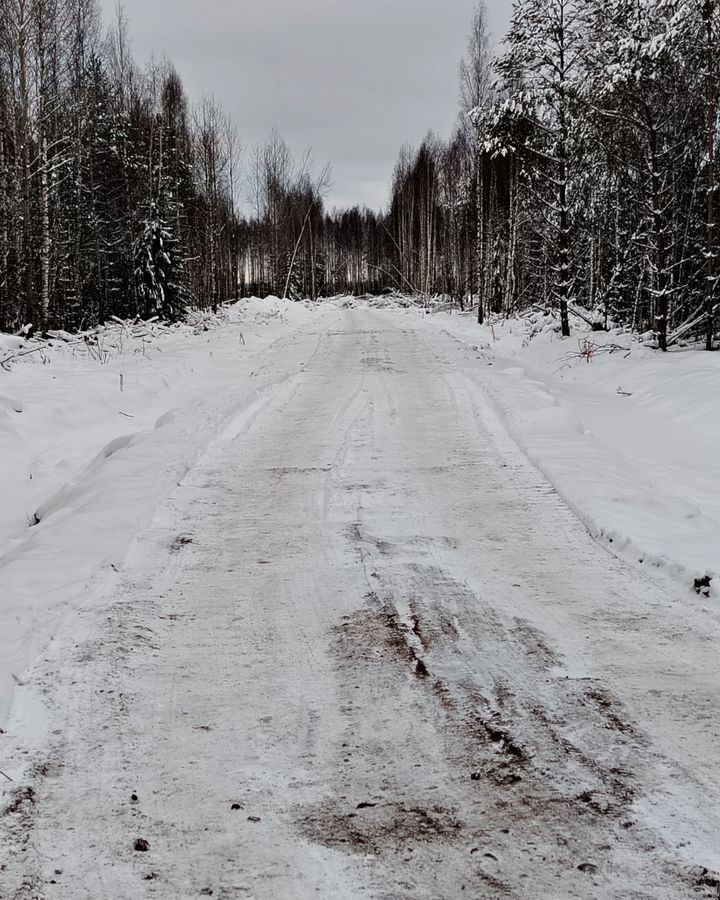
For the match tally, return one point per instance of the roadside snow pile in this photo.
(391, 301)
(629, 437)
(270, 309)
(95, 430)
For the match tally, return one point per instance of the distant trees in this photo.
(582, 176)
(282, 246)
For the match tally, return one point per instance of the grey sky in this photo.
(353, 79)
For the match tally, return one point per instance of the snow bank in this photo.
(94, 433)
(391, 301)
(629, 437)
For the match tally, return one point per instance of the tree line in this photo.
(581, 176)
(116, 197)
(589, 179)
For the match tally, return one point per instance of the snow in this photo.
(630, 438)
(323, 606)
(89, 463)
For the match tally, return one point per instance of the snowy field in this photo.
(347, 601)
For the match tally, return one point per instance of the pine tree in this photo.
(159, 272)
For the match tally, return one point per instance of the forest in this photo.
(581, 177)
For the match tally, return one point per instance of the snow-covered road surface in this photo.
(365, 650)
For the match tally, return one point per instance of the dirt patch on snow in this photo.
(379, 828)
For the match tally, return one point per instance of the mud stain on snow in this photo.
(377, 632)
(528, 780)
(181, 542)
(380, 828)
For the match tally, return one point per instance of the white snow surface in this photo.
(630, 437)
(91, 462)
(358, 600)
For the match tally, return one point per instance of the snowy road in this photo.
(366, 651)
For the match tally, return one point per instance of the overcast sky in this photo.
(353, 79)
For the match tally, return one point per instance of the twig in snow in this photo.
(5, 776)
(588, 350)
(10, 357)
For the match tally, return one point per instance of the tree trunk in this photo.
(564, 246)
(661, 276)
(711, 115)
(480, 227)
(45, 242)
(564, 237)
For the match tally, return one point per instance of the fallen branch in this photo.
(10, 357)
(691, 323)
(585, 318)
